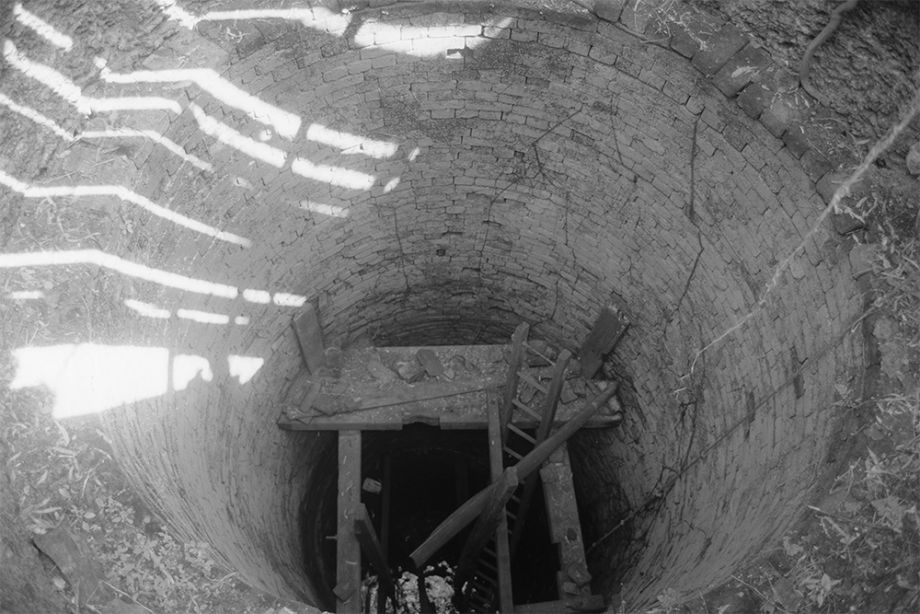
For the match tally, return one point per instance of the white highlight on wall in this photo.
(351, 143)
(140, 271)
(257, 296)
(317, 18)
(68, 90)
(227, 135)
(88, 378)
(42, 28)
(448, 41)
(283, 299)
(333, 175)
(126, 195)
(284, 123)
(330, 210)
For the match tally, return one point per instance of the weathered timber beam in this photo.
(348, 553)
(546, 424)
(468, 512)
(370, 545)
(485, 527)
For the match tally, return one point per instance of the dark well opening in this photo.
(424, 473)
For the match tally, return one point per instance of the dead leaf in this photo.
(891, 511)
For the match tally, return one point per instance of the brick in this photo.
(609, 10)
(741, 69)
(815, 164)
(796, 141)
(728, 41)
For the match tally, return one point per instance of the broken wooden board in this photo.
(309, 334)
(348, 551)
(378, 390)
(564, 526)
(610, 325)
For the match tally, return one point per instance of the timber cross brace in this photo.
(526, 397)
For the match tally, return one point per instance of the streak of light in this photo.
(26, 295)
(154, 136)
(126, 267)
(421, 41)
(42, 28)
(203, 317)
(285, 123)
(88, 378)
(148, 310)
(257, 296)
(126, 195)
(330, 210)
(351, 143)
(283, 299)
(318, 18)
(119, 133)
(68, 90)
(140, 271)
(227, 135)
(333, 175)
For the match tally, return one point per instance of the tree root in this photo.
(805, 64)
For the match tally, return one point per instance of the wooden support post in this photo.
(386, 495)
(514, 365)
(546, 424)
(607, 330)
(502, 549)
(483, 531)
(370, 546)
(348, 552)
(309, 334)
(470, 510)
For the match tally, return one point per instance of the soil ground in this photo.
(857, 547)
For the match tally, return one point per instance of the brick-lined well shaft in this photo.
(546, 163)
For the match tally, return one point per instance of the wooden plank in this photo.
(470, 510)
(514, 365)
(485, 529)
(564, 525)
(502, 549)
(607, 330)
(309, 334)
(461, 412)
(550, 403)
(370, 546)
(348, 551)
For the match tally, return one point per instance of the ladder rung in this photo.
(521, 433)
(526, 410)
(513, 453)
(488, 566)
(538, 353)
(533, 382)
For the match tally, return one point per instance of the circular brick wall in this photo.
(522, 165)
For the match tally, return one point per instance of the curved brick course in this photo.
(547, 162)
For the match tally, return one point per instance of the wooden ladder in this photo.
(490, 577)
